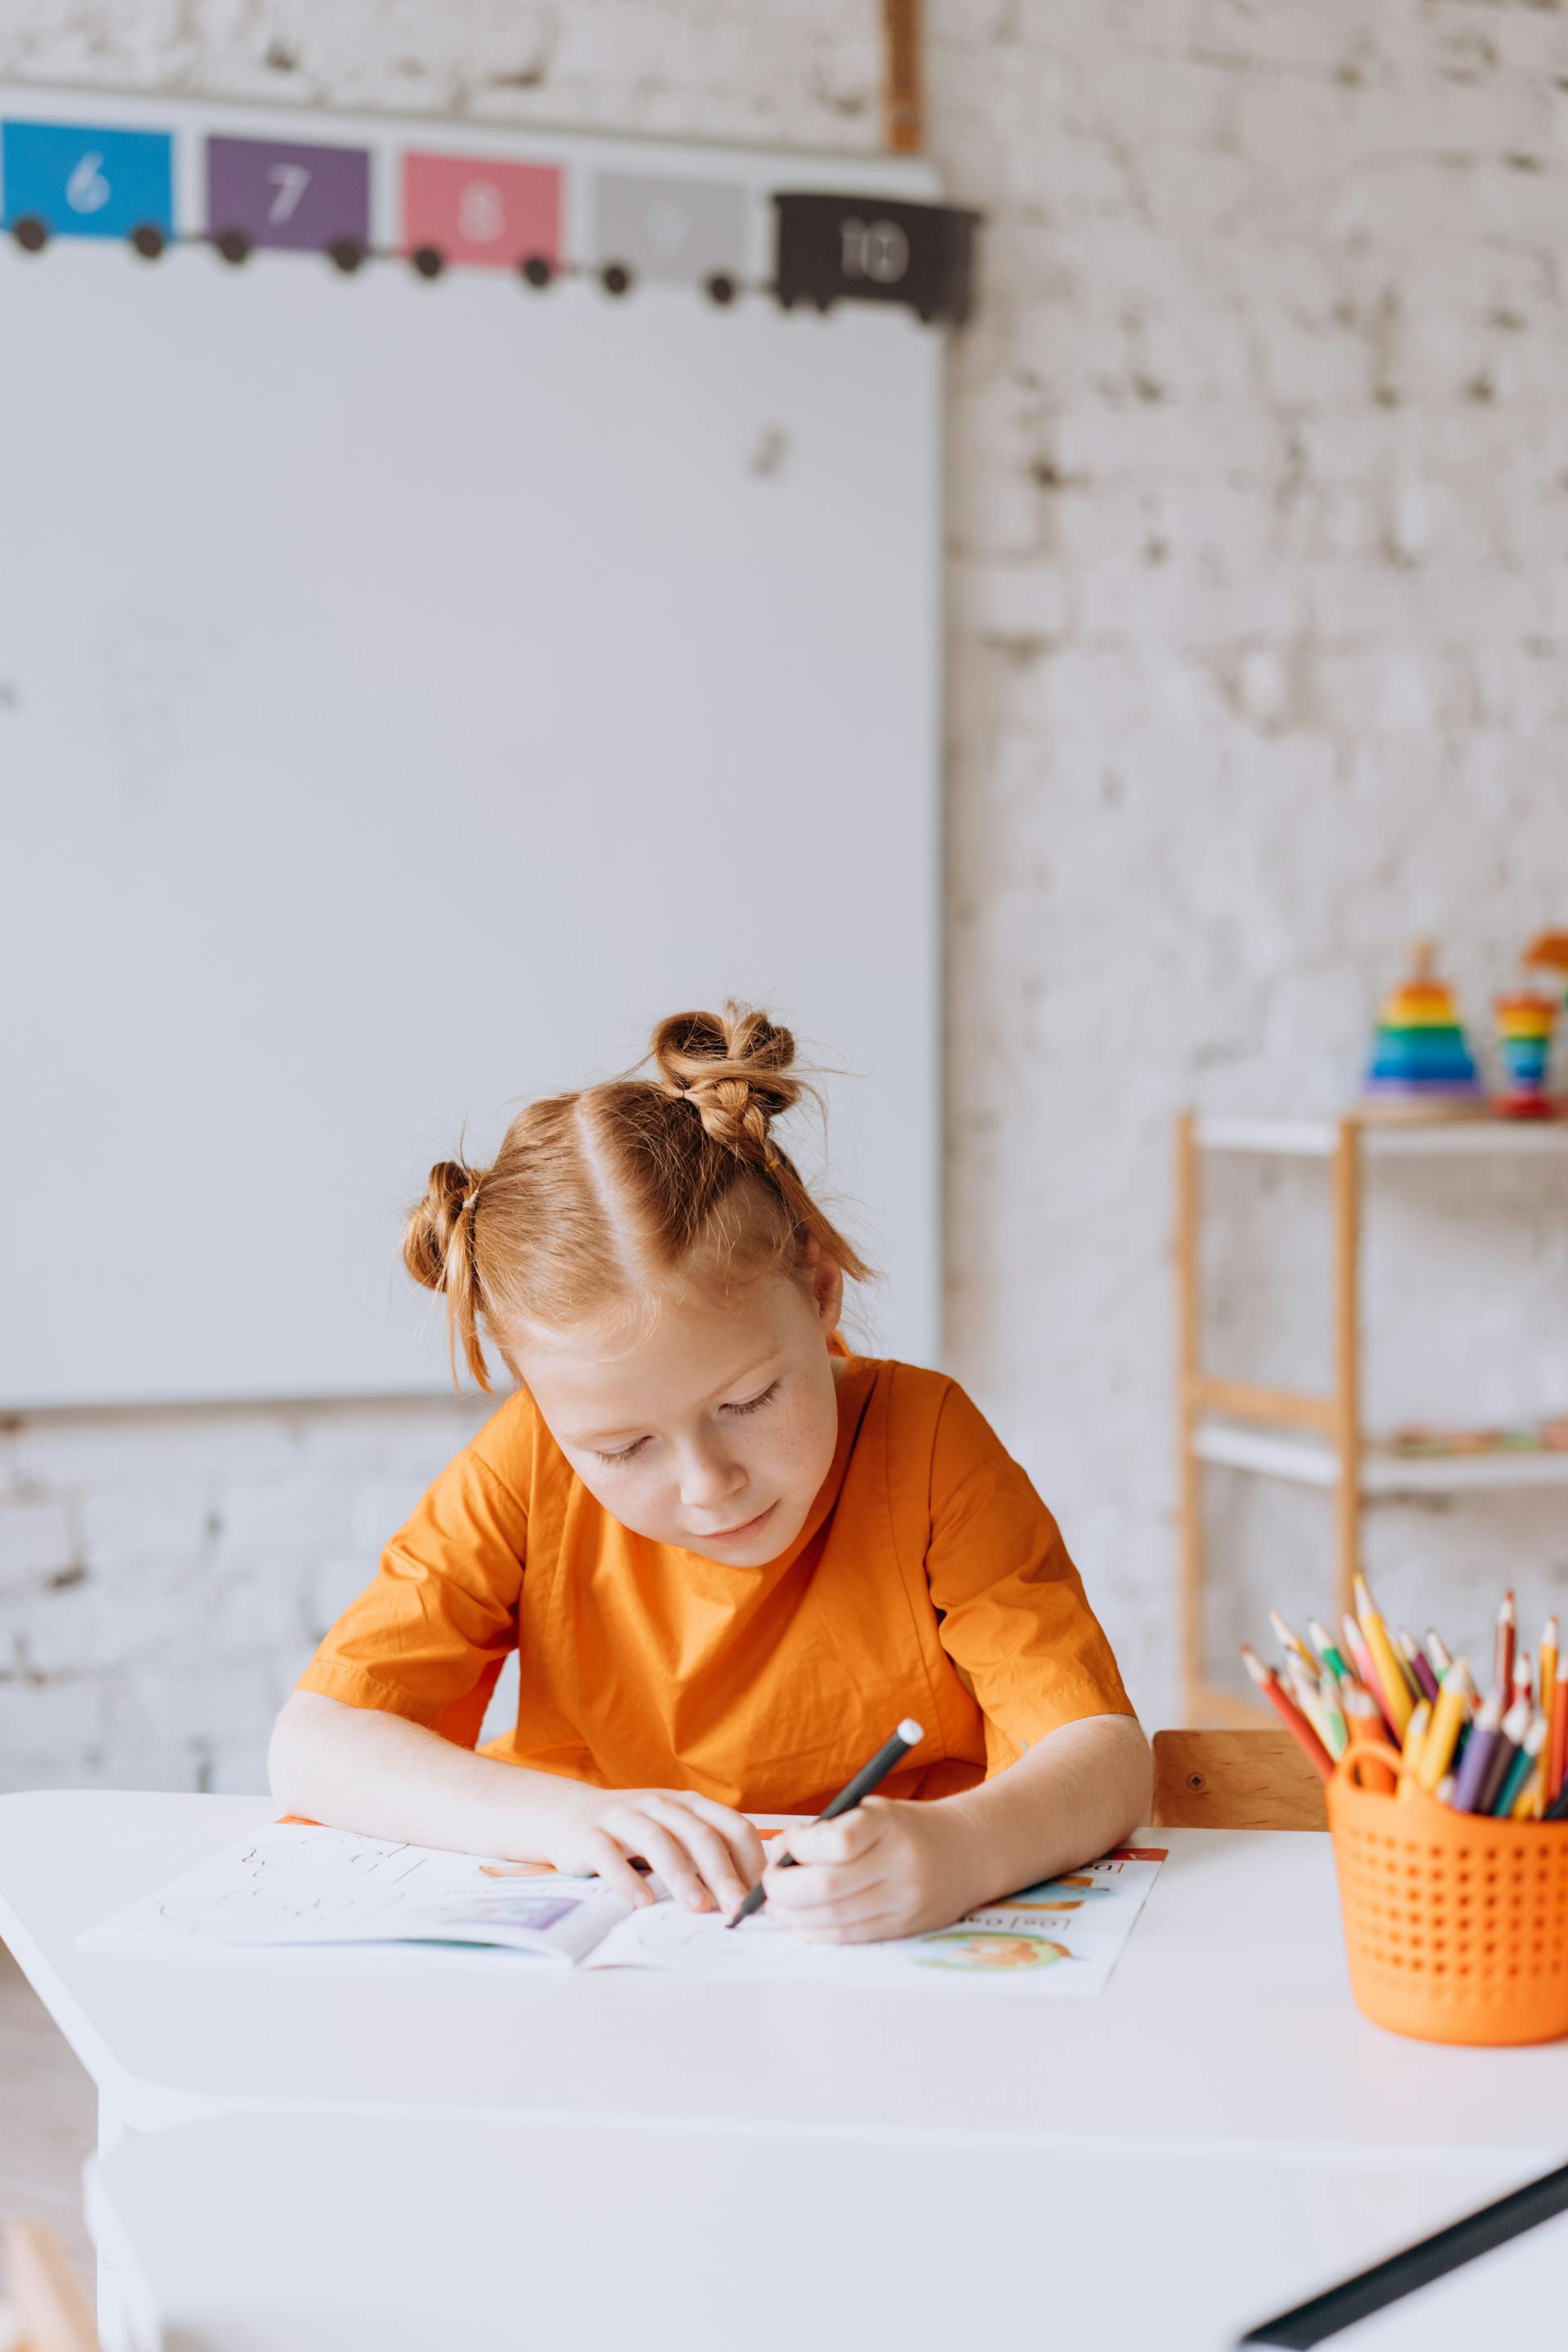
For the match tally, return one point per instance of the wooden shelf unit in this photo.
(1317, 1441)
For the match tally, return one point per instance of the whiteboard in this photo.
(410, 692)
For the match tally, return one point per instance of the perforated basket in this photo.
(1456, 1926)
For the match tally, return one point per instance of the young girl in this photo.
(730, 1555)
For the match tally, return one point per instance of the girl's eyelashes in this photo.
(752, 1404)
(625, 1454)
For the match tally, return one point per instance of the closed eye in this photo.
(755, 1404)
(626, 1454)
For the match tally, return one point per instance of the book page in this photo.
(298, 1883)
(1062, 1936)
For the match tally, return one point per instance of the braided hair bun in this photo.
(733, 1069)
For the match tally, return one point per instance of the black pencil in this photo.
(908, 1735)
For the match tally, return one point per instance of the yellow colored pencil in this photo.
(1415, 1740)
(1527, 1804)
(1390, 1667)
(1455, 1700)
(1548, 1665)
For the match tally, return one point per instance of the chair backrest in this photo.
(1234, 1781)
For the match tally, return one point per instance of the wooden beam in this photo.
(904, 96)
(1278, 1408)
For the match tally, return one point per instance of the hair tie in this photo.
(470, 1202)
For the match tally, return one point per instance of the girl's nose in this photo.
(709, 1479)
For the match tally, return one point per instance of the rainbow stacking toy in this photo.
(1421, 1067)
(1525, 1023)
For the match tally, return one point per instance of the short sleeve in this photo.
(428, 1636)
(1014, 1617)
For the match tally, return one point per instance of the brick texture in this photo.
(1257, 667)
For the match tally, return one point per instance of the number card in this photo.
(864, 249)
(272, 193)
(83, 181)
(684, 229)
(472, 210)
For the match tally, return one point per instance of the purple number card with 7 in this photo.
(280, 193)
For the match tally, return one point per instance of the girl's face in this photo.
(716, 1431)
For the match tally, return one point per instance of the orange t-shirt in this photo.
(928, 1579)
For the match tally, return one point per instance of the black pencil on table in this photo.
(908, 1735)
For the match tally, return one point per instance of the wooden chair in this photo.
(48, 2309)
(1234, 1781)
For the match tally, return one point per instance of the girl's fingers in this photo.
(617, 1871)
(746, 1846)
(714, 1863)
(636, 1829)
(844, 1840)
(829, 1898)
(876, 1930)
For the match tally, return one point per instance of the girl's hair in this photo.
(596, 1198)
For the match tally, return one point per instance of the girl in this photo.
(729, 1554)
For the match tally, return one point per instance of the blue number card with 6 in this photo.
(81, 180)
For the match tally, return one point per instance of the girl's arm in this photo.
(362, 1768)
(896, 1869)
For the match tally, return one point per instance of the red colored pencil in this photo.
(1502, 1656)
(1289, 1714)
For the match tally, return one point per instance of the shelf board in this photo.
(1310, 1462)
(1316, 1138)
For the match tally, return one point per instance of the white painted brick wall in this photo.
(1258, 619)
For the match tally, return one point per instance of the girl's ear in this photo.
(826, 1278)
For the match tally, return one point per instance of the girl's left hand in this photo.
(886, 1869)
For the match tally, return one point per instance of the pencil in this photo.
(1475, 1764)
(1523, 1770)
(1289, 1714)
(1385, 1658)
(1437, 1654)
(870, 1775)
(1502, 1655)
(1509, 1745)
(1333, 1657)
(1557, 1743)
(1418, 1663)
(1527, 1804)
(1363, 1714)
(1290, 1642)
(1306, 1692)
(1414, 1736)
(1452, 1711)
(1523, 1680)
(1368, 1672)
(1548, 1687)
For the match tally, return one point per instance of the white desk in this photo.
(248, 2235)
(1228, 2023)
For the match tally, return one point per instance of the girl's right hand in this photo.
(708, 1856)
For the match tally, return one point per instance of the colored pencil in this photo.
(1509, 1743)
(1548, 1684)
(1363, 1715)
(1437, 1654)
(1475, 1765)
(1523, 1679)
(1385, 1658)
(1290, 1642)
(1523, 1769)
(1289, 1714)
(1527, 1804)
(1557, 1742)
(1414, 1738)
(1417, 1664)
(1451, 1713)
(1502, 1653)
(1331, 1656)
(1368, 1673)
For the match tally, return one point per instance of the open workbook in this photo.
(294, 1883)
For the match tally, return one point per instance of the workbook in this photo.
(294, 1883)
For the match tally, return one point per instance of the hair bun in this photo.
(433, 1221)
(733, 1068)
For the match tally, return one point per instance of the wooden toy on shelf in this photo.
(1421, 1065)
(1526, 1020)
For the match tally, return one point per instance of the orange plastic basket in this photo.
(1456, 1926)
